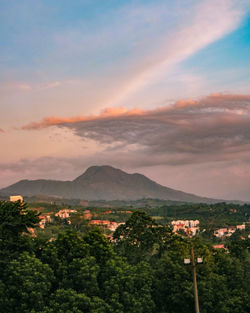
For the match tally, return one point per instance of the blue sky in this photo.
(72, 60)
(230, 53)
(36, 36)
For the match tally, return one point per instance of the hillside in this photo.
(102, 183)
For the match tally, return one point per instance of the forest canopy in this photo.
(140, 271)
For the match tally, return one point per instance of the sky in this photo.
(157, 87)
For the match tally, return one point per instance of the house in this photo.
(220, 232)
(224, 232)
(241, 227)
(87, 215)
(186, 223)
(114, 225)
(190, 227)
(218, 246)
(193, 230)
(16, 198)
(99, 222)
(107, 224)
(231, 229)
(44, 219)
(65, 213)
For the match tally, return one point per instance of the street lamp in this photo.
(194, 263)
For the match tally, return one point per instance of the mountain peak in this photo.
(103, 183)
(101, 172)
(101, 168)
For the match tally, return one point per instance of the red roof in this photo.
(219, 247)
(100, 222)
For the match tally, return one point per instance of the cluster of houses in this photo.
(65, 214)
(190, 227)
(228, 231)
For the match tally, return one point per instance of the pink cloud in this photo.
(106, 113)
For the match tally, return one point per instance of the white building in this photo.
(190, 227)
(16, 198)
(65, 213)
(241, 227)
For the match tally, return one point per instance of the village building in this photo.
(16, 198)
(218, 246)
(107, 224)
(114, 225)
(46, 218)
(228, 231)
(190, 227)
(99, 222)
(65, 213)
(241, 227)
(220, 232)
(87, 215)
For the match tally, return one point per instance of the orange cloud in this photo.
(109, 112)
(186, 103)
(106, 113)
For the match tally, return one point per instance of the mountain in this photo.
(102, 183)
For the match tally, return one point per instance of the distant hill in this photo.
(102, 183)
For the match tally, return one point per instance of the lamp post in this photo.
(193, 264)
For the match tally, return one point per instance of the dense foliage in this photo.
(141, 271)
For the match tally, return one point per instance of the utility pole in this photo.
(193, 262)
(197, 309)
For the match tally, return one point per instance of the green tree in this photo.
(28, 284)
(81, 275)
(69, 301)
(15, 220)
(140, 237)
(172, 289)
(79, 223)
(127, 288)
(99, 246)
(60, 254)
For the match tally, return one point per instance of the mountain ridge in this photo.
(103, 183)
